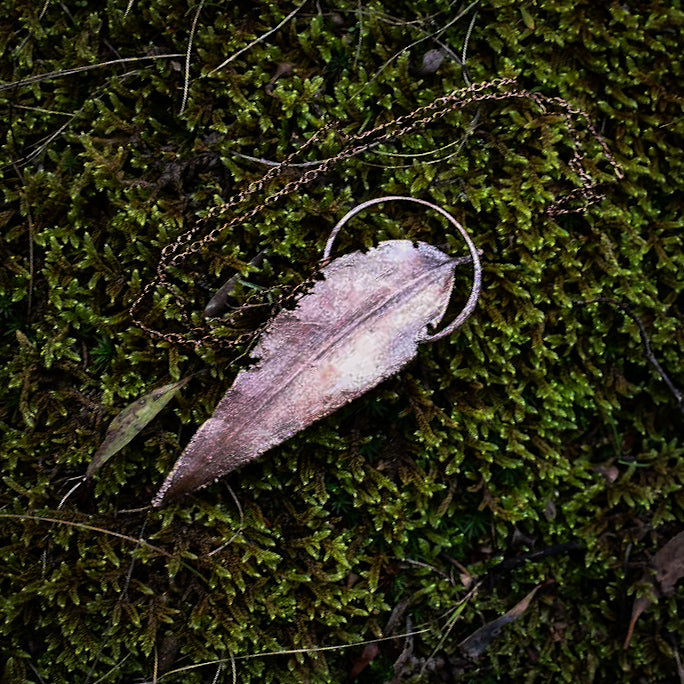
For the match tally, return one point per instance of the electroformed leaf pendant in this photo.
(362, 323)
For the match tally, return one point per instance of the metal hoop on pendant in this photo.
(477, 266)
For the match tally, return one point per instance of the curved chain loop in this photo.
(499, 90)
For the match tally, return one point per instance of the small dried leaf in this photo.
(476, 644)
(355, 328)
(668, 564)
(131, 420)
(370, 652)
(219, 302)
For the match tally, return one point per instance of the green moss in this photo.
(540, 423)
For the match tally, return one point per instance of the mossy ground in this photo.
(541, 423)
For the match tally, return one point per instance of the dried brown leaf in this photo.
(668, 564)
(131, 420)
(476, 644)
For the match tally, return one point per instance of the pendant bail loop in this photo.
(477, 266)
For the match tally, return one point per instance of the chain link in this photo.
(499, 90)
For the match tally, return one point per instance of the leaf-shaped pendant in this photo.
(356, 327)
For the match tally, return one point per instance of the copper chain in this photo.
(354, 145)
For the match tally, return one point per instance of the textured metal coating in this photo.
(356, 327)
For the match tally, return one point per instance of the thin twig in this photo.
(81, 480)
(128, 8)
(679, 397)
(357, 54)
(41, 145)
(43, 10)
(434, 36)
(467, 38)
(293, 651)
(259, 39)
(48, 76)
(235, 534)
(420, 564)
(451, 623)
(90, 528)
(186, 83)
(42, 110)
(460, 143)
(270, 162)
